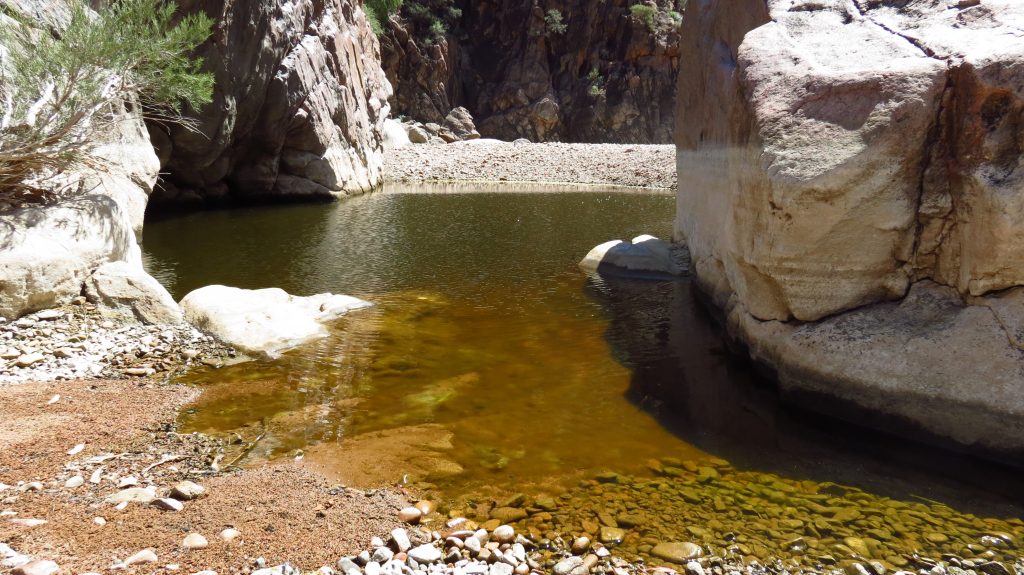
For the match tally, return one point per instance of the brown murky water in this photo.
(497, 377)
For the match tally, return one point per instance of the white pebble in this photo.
(195, 541)
(144, 556)
(76, 449)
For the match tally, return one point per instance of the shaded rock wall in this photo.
(299, 105)
(834, 156)
(608, 77)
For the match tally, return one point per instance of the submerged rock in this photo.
(264, 322)
(677, 552)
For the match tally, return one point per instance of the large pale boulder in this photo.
(395, 135)
(123, 289)
(264, 322)
(834, 156)
(298, 108)
(47, 252)
(837, 153)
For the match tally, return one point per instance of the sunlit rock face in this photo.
(834, 156)
(298, 109)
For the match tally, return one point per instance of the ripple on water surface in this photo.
(491, 365)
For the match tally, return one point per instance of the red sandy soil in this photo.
(284, 512)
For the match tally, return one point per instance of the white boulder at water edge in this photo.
(119, 288)
(644, 253)
(264, 322)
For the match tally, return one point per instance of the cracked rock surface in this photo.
(839, 155)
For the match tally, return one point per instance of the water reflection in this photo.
(684, 375)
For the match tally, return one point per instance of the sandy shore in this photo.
(626, 165)
(126, 428)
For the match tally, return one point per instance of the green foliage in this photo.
(379, 11)
(597, 82)
(431, 19)
(675, 16)
(554, 23)
(59, 91)
(645, 14)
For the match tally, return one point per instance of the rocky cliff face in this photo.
(299, 105)
(579, 70)
(834, 156)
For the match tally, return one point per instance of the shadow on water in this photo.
(684, 375)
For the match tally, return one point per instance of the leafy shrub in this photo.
(553, 22)
(378, 12)
(675, 16)
(597, 82)
(59, 92)
(645, 14)
(431, 19)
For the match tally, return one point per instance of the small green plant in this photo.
(645, 14)
(379, 11)
(431, 20)
(597, 82)
(554, 23)
(675, 16)
(60, 92)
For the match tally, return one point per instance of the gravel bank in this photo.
(77, 341)
(66, 462)
(628, 165)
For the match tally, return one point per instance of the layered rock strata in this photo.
(581, 71)
(834, 156)
(298, 110)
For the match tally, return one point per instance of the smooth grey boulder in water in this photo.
(643, 254)
(835, 155)
(298, 107)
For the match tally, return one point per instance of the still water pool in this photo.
(496, 376)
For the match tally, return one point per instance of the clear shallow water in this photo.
(492, 365)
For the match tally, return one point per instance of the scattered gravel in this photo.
(631, 165)
(76, 341)
(133, 466)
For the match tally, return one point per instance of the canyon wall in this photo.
(298, 109)
(578, 70)
(838, 156)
